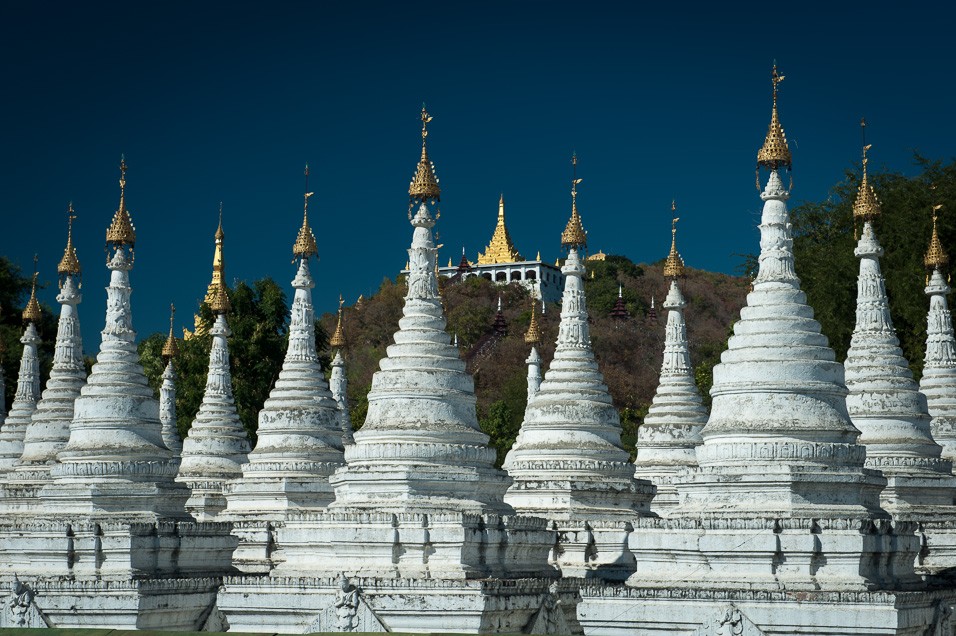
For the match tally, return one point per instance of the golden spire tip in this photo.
(866, 207)
(337, 340)
(31, 313)
(170, 347)
(69, 265)
(775, 153)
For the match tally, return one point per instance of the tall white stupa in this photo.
(167, 390)
(217, 445)
(938, 383)
(667, 439)
(884, 401)
(28, 387)
(49, 429)
(568, 464)
(115, 461)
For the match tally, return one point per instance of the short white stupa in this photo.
(28, 387)
(299, 436)
(338, 381)
(884, 401)
(49, 430)
(217, 445)
(938, 383)
(667, 439)
(167, 390)
(533, 338)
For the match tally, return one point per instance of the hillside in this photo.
(629, 353)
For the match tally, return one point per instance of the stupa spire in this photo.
(216, 295)
(500, 249)
(28, 386)
(884, 401)
(777, 391)
(121, 232)
(116, 409)
(338, 383)
(337, 341)
(567, 463)
(671, 430)
(167, 390)
(574, 237)
(674, 264)
(305, 246)
(49, 428)
(938, 383)
(217, 444)
(69, 265)
(424, 185)
(299, 436)
(775, 153)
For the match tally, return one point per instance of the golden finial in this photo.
(936, 257)
(533, 335)
(674, 264)
(216, 296)
(338, 338)
(69, 264)
(574, 236)
(304, 245)
(31, 312)
(424, 185)
(171, 347)
(867, 206)
(775, 153)
(121, 230)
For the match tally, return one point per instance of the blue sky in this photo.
(226, 101)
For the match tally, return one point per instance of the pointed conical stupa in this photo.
(533, 338)
(500, 249)
(884, 401)
(568, 464)
(938, 383)
(49, 430)
(299, 436)
(217, 445)
(667, 439)
(421, 448)
(167, 391)
(778, 440)
(28, 387)
(338, 384)
(115, 461)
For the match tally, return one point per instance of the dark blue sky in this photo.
(215, 102)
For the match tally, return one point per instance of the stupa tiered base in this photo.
(768, 576)
(299, 605)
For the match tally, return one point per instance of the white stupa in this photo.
(28, 388)
(338, 381)
(533, 338)
(115, 461)
(299, 436)
(567, 463)
(49, 429)
(217, 445)
(779, 440)
(884, 401)
(167, 390)
(938, 383)
(667, 439)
